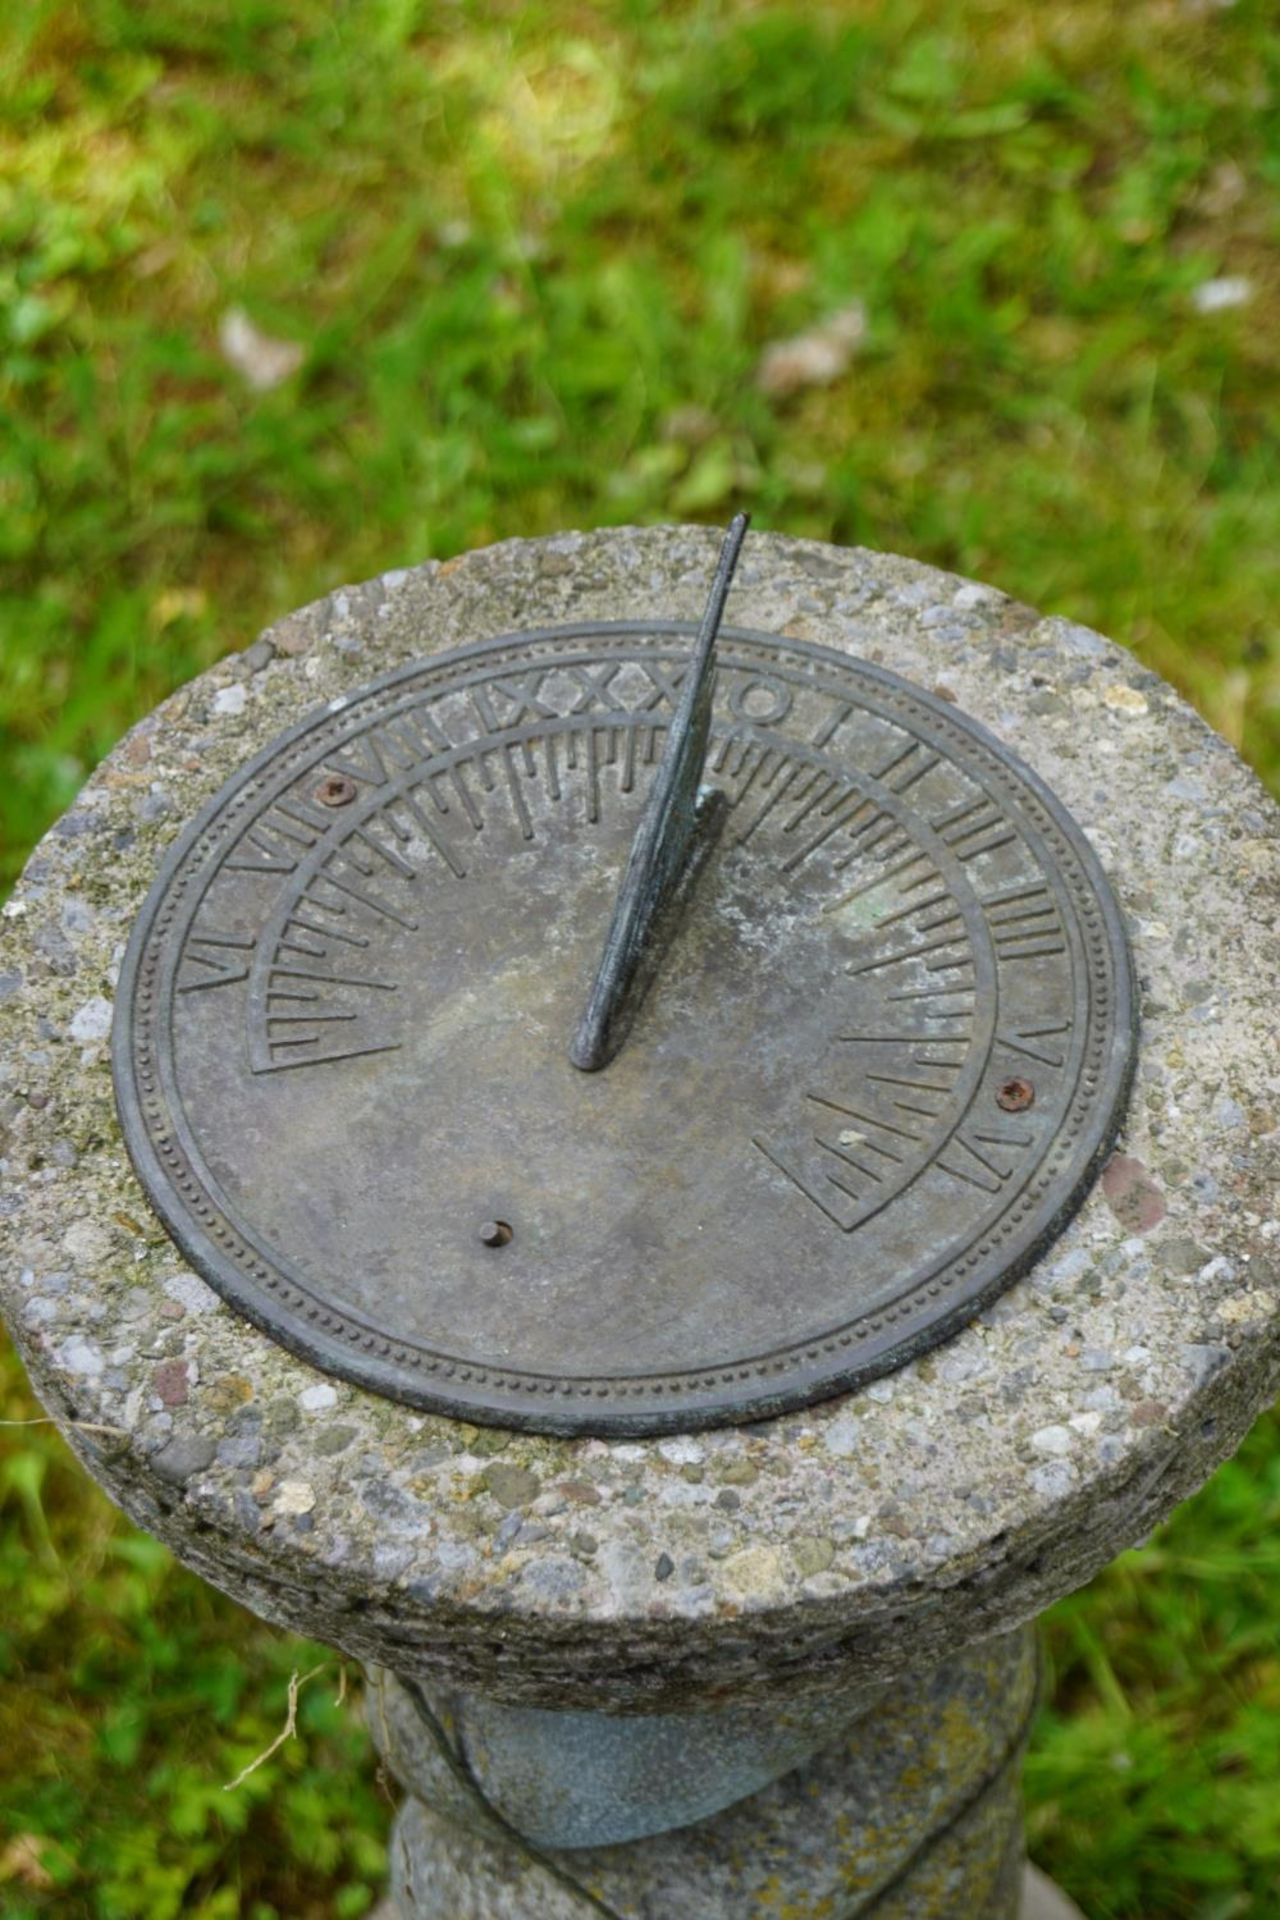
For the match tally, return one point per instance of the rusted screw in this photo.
(335, 790)
(495, 1233)
(1015, 1096)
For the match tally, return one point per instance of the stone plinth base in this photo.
(912, 1813)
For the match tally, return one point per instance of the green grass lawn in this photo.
(530, 253)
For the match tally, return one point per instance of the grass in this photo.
(532, 254)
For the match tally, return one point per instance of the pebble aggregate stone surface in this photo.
(864, 1537)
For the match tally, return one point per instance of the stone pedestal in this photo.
(755, 1670)
(912, 1809)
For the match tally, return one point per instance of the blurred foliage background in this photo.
(292, 291)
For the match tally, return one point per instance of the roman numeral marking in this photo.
(522, 690)
(1029, 1041)
(260, 852)
(974, 828)
(219, 953)
(362, 760)
(831, 725)
(595, 683)
(296, 823)
(666, 683)
(982, 1158)
(1024, 923)
(902, 773)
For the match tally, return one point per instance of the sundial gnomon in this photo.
(882, 1051)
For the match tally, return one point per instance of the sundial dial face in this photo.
(885, 1051)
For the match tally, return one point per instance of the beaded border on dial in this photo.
(331, 1336)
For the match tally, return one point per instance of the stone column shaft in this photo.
(911, 1811)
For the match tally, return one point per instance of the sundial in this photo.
(624, 1027)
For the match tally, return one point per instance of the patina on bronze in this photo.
(671, 843)
(343, 1028)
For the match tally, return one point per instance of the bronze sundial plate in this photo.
(885, 1052)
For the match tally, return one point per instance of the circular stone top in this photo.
(942, 1502)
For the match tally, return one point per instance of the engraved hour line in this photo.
(902, 773)
(931, 993)
(626, 779)
(480, 761)
(778, 793)
(837, 815)
(916, 906)
(305, 1019)
(973, 828)
(865, 1120)
(842, 1153)
(371, 765)
(324, 980)
(464, 794)
(374, 904)
(394, 860)
(745, 748)
(367, 838)
(806, 1189)
(593, 777)
(519, 805)
(969, 829)
(278, 1065)
(912, 1086)
(913, 1039)
(919, 950)
(433, 839)
(815, 795)
(326, 933)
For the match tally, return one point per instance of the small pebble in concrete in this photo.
(91, 1022)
